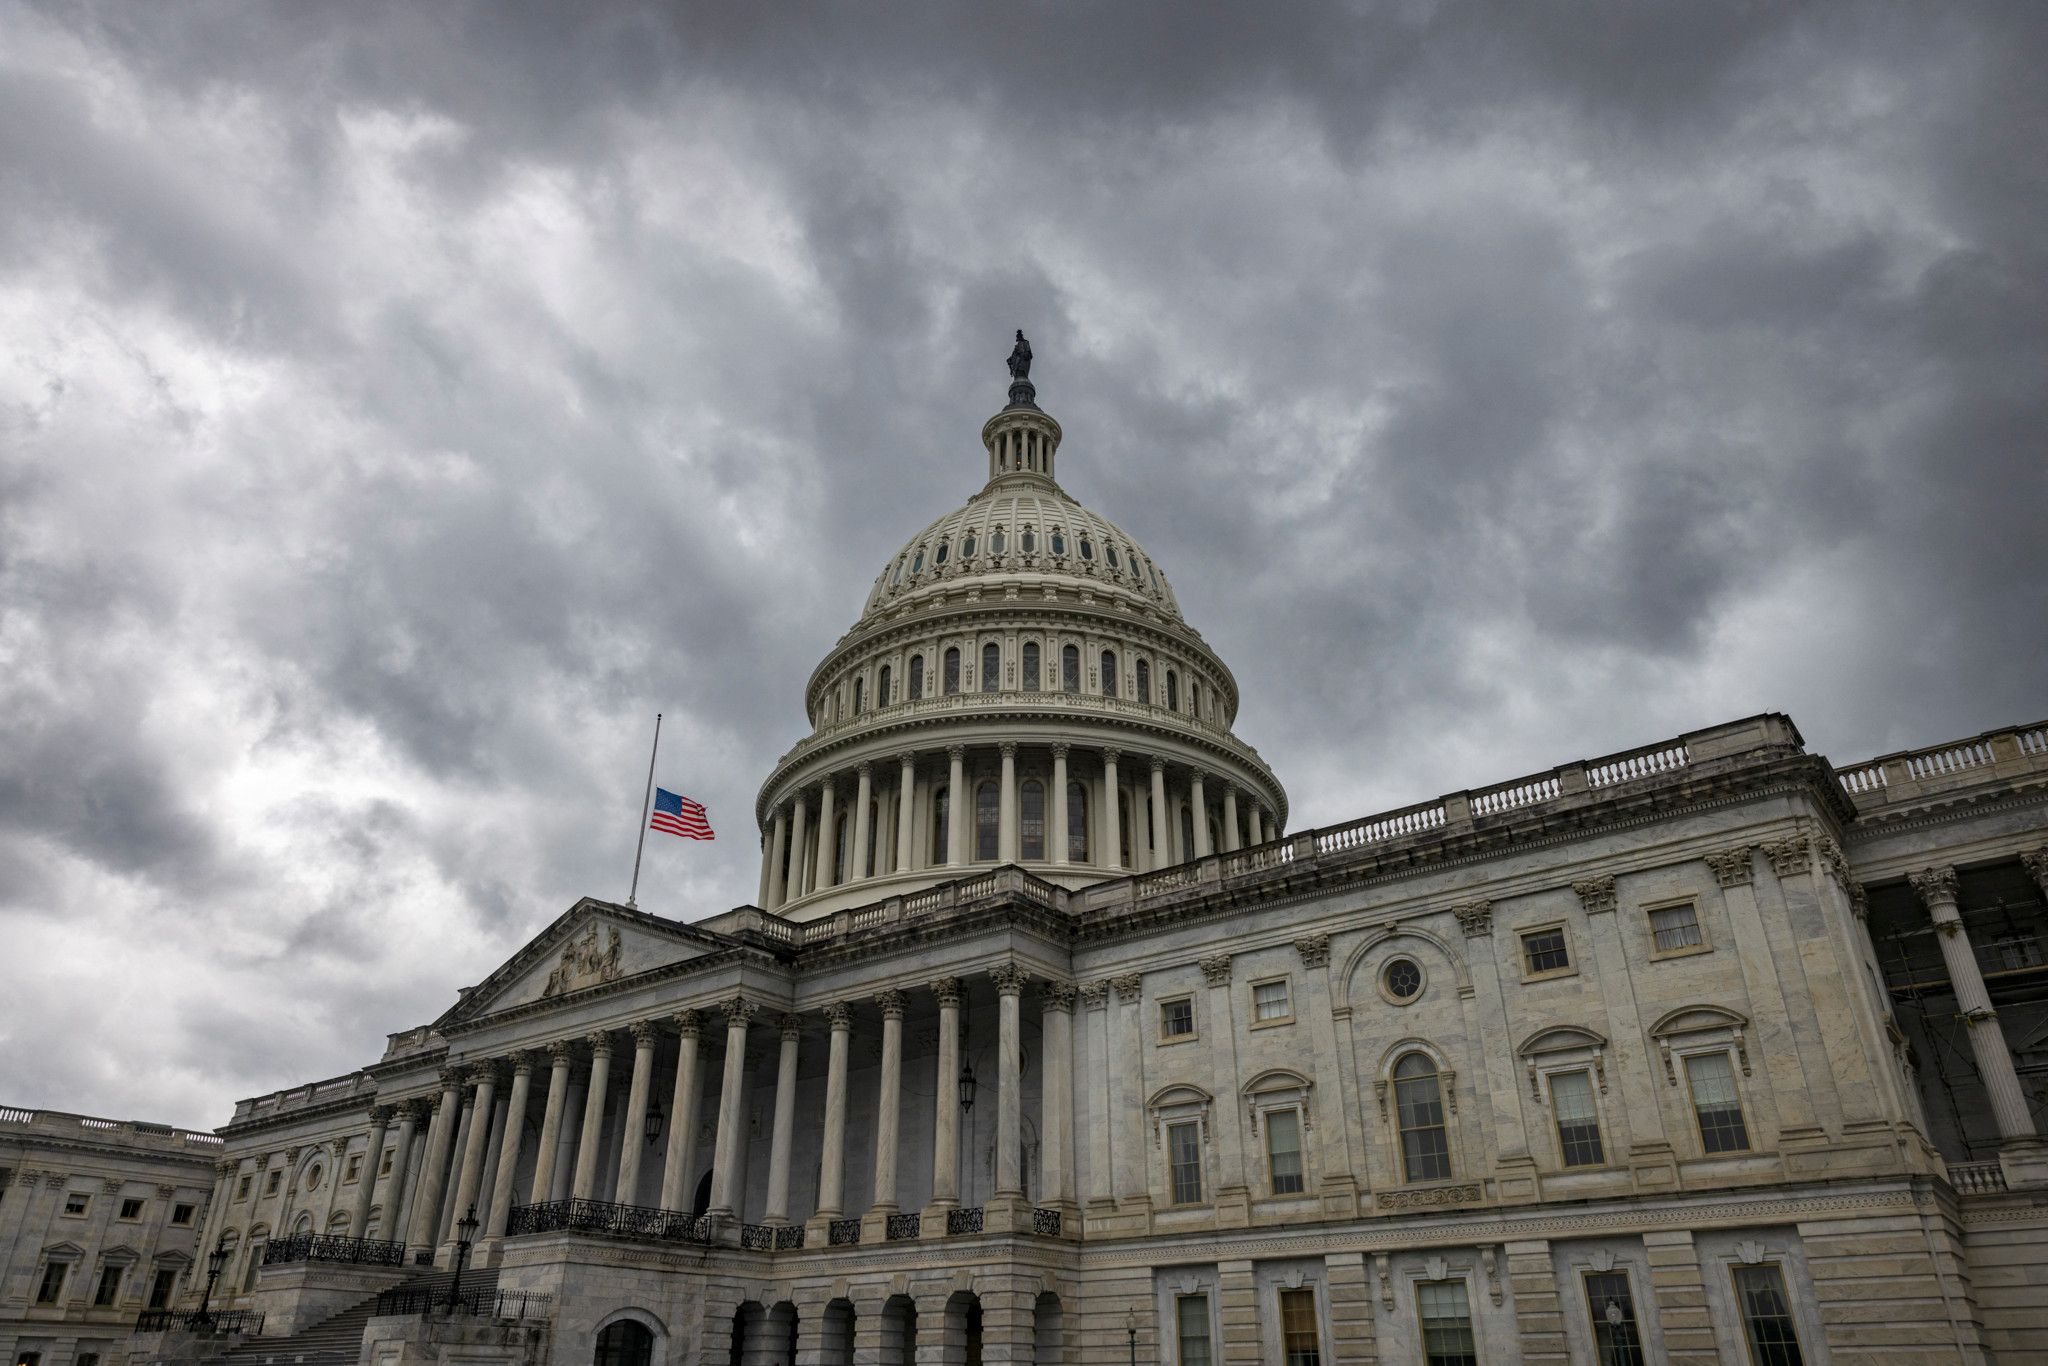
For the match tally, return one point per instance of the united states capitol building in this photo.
(1048, 1040)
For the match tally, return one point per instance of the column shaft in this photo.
(1006, 808)
(1938, 889)
(832, 1159)
(1231, 843)
(398, 1192)
(1009, 1085)
(1056, 1110)
(863, 796)
(888, 1100)
(366, 1186)
(778, 856)
(433, 1175)
(945, 1101)
(906, 783)
(632, 1138)
(725, 1175)
(1162, 839)
(589, 1150)
(508, 1150)
(473, 1152)
(1198, 798)
(1112, 837)
(1056, 834)
(798, 829)
(827, 874)
(543, 1186)
(785, 1126)
(959, 810)
(682, 1118)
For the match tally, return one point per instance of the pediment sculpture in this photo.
(584, 964)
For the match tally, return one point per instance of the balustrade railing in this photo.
(321, 1247)
(789, 1236)
(410, 1301)
(1881, 778)
(1976, 1178)
(1046, 1221)
(843, 1232)
(903, 1226)
(602, 1216)
(216, 1321)
(964, 1220)
(758, 1237)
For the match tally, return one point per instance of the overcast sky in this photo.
(400, 404)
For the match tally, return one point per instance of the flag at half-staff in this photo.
(678, 815)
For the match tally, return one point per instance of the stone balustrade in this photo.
(1911, 775)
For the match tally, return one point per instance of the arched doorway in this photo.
(746, 1329)
(1048, 1328)
(963, 1328)
(624, 1343)
(899, 1332)
(836, 1339)
(702, 1200)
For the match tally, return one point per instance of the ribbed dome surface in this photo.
(1022, 526)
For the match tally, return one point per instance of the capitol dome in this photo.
(1026, 653)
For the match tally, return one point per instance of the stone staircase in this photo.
(338, 1340)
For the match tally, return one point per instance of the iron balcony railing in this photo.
(788, 1236)
(1046, 1221)
(963, 1220)
(412, 1301)
(903, 1226)
(843, 1232)
(320, 1247)
(191, 1320)
(602, 1216)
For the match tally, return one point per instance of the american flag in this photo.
(679, 815)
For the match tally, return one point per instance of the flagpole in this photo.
(645, 802)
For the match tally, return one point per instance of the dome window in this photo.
(1172, 691)
(897, 577)
(987, 821)
(967, 547)
(1059, 542)
(952, 670)
(997, 542)
(1110, 551)
(860, 695)
(1070, 669)
(916, 677)
(917, 562)
(991, 667)
(1087, 550)
(1109, 673)
(1144, 671)
(1030, 666)
(1077, 823)
(1031, 820)
(882, 683)
(939, 556)
(1030, 541)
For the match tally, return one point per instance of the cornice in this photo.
(32, 1145)
(726, 956)
(1963, 807)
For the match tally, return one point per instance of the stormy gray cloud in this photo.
(400, 404)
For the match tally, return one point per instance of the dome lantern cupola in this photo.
(1021, 439)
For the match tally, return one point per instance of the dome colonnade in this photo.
(1021, 688)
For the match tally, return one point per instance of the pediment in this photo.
(593, 944)
(1560, 1038)
(1697, 1019)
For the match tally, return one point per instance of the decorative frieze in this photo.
(1314, 950)
(1429, 1197)
(1215, 969)
(1732, 867)
(1596, 894)
(1475, 918)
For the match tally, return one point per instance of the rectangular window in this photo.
(1578, 1123)
(1300, 1343)
(181, 1215)
(1715, 1103)
(1283, 1151)
(1191, 1321)
(242, 1189)
(1544, 951)
(131, 1209)
(77, 1202)
(1177, 1018)
(109, 1288)
(384, 1166)
(270, 1183)
(1446, 1324)
(163, 1287)
(355, 1168)
(1766, 1316)
(1184, 1152)
(1675, 927)
(1270, 1001)
(52, 1284)
(1616, 1339)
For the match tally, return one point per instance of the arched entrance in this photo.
(835, 1343)
(624, 1343)
(899, 1332)
(963, 1328)
(702, 1201)
(1048, 1330)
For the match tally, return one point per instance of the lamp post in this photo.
(465, 1233)
(1131, 1332)
(216, 1261)
(654, 1118)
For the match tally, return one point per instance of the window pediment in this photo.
(1560, 1039)
(65, 1251)
(1697, 1019)
(1700, 1028)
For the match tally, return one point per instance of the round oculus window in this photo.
(1401, 980)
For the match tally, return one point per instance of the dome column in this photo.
(778, 850)
(1112, 837)
(797, 831)
(1162, 851)
(1230, 844)
(1199, 800)
(825, 874)
(906, 784)
(862, 796)
(1006, 811)
(1056, 837)
(957, 811)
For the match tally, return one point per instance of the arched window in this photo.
(987, 821)
(1087, 550)
(1031, 820)
(940, 842)
(1030, 541)
(1123, 828)
(1077, 823)
(1070, 669)
(897, 577)
(1187, 833)
(860, 695)
(1030, 666)
(882, 682)
(1144, 681)
(842, 844)
(624, 1343)
(991, 667)
(1109, 673)
(1172, 690)
(939, 556)
(952, 670)
(997, 542)
(1419, 1101)
(916, 677)
(1195, 696)
(1109, 549)
(917, 561)
(1059, 542)
(967, 545)
(874, 832)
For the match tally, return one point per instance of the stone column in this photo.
(1938, 889)
(1113, 839)
(1009, 980)
(1127, 1103)
(798, 829)
(224, 1173)
(508, 1148)
(398, 1195)
(778, 855)
(945, 1099)
(1162, 837)
(832, 1157)
(433, 1177)
(725, 1174)
(366, 1188)
(958, 812)
(888, 1101)
(445, 1229)
(682, 1117)
(1006, 805)
(767, 860)
(633, 1141)
(1198, 798)
(588, 1149)
(1230, 840)
(473, 1153)
(906, 830)
(827, 872)
(559, 1054)
(1058, 815)
(1101, 1194)
(863, 795)
(1056, 1111)
(784, 1132)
